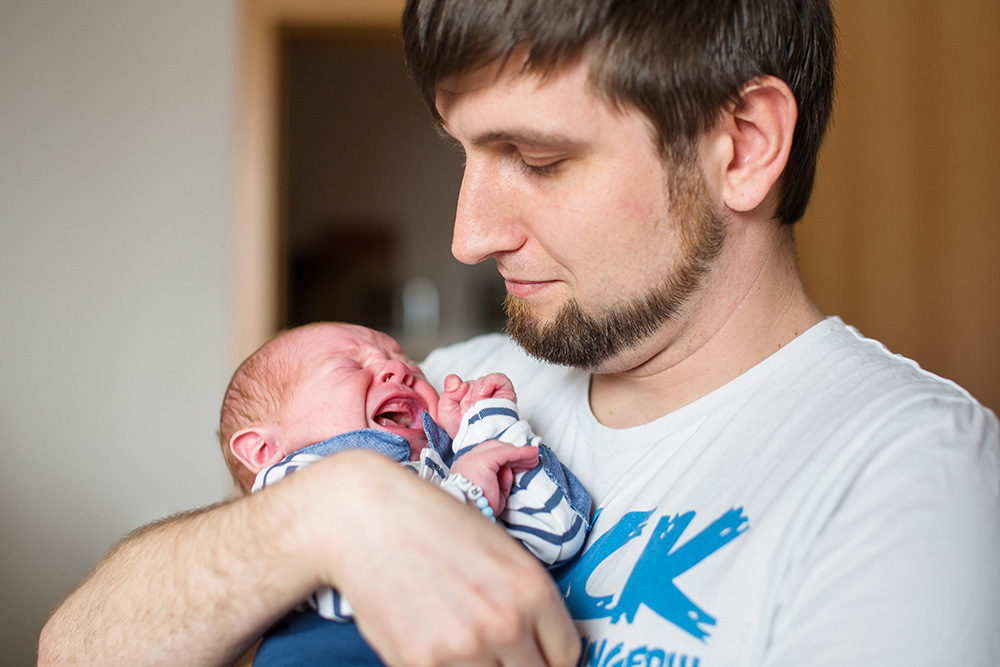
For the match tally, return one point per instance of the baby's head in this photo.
(316, 381)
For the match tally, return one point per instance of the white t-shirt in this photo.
(834, 505)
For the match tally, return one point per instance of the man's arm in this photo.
(194, 589)
(200, 588)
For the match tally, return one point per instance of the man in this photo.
(773, 489)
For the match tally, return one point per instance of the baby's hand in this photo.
(459, 396)
(494, 385)
(492, 465)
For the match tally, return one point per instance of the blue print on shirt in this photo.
(651, 582)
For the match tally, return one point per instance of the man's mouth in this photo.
(525, 289)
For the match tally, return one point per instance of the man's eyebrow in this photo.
(525, 137)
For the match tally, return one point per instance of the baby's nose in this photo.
(395, 371)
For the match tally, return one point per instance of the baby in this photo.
(328, 387)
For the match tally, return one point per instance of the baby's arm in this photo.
(547, 509)
(458, 396)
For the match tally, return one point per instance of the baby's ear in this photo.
(256, 447)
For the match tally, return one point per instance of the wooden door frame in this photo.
(256, 260)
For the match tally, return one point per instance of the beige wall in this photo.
(116, 143)
(903, 233)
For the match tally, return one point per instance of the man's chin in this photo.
(569, 338)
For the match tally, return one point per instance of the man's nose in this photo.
(486, 220)
(395, 371)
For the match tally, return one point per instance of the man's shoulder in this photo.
(847, 378)
(868, 367)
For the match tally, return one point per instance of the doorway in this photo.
(347, 194)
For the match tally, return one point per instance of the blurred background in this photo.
(179, 179)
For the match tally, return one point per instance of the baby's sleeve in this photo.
(548, 510)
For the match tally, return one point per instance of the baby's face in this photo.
(362, 379)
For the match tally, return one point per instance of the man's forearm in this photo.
(197, 589)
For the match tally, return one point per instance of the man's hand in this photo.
(434, 584)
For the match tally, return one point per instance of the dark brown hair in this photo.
(679, 62)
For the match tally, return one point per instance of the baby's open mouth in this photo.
(398, 413)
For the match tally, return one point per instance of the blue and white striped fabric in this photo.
(548, 510)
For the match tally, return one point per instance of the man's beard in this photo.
(587, 340)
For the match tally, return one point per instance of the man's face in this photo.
(568, 195)
(355, 378)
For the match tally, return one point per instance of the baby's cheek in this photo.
(433, 408)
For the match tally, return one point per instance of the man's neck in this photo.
(753, 304)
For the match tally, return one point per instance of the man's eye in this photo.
(540, 167)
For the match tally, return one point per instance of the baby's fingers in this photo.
(452, 382)
(494, 385)
(523, 459)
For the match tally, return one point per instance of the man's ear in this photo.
(754, 139)
(256, 447)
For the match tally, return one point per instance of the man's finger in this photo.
(557, 637)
